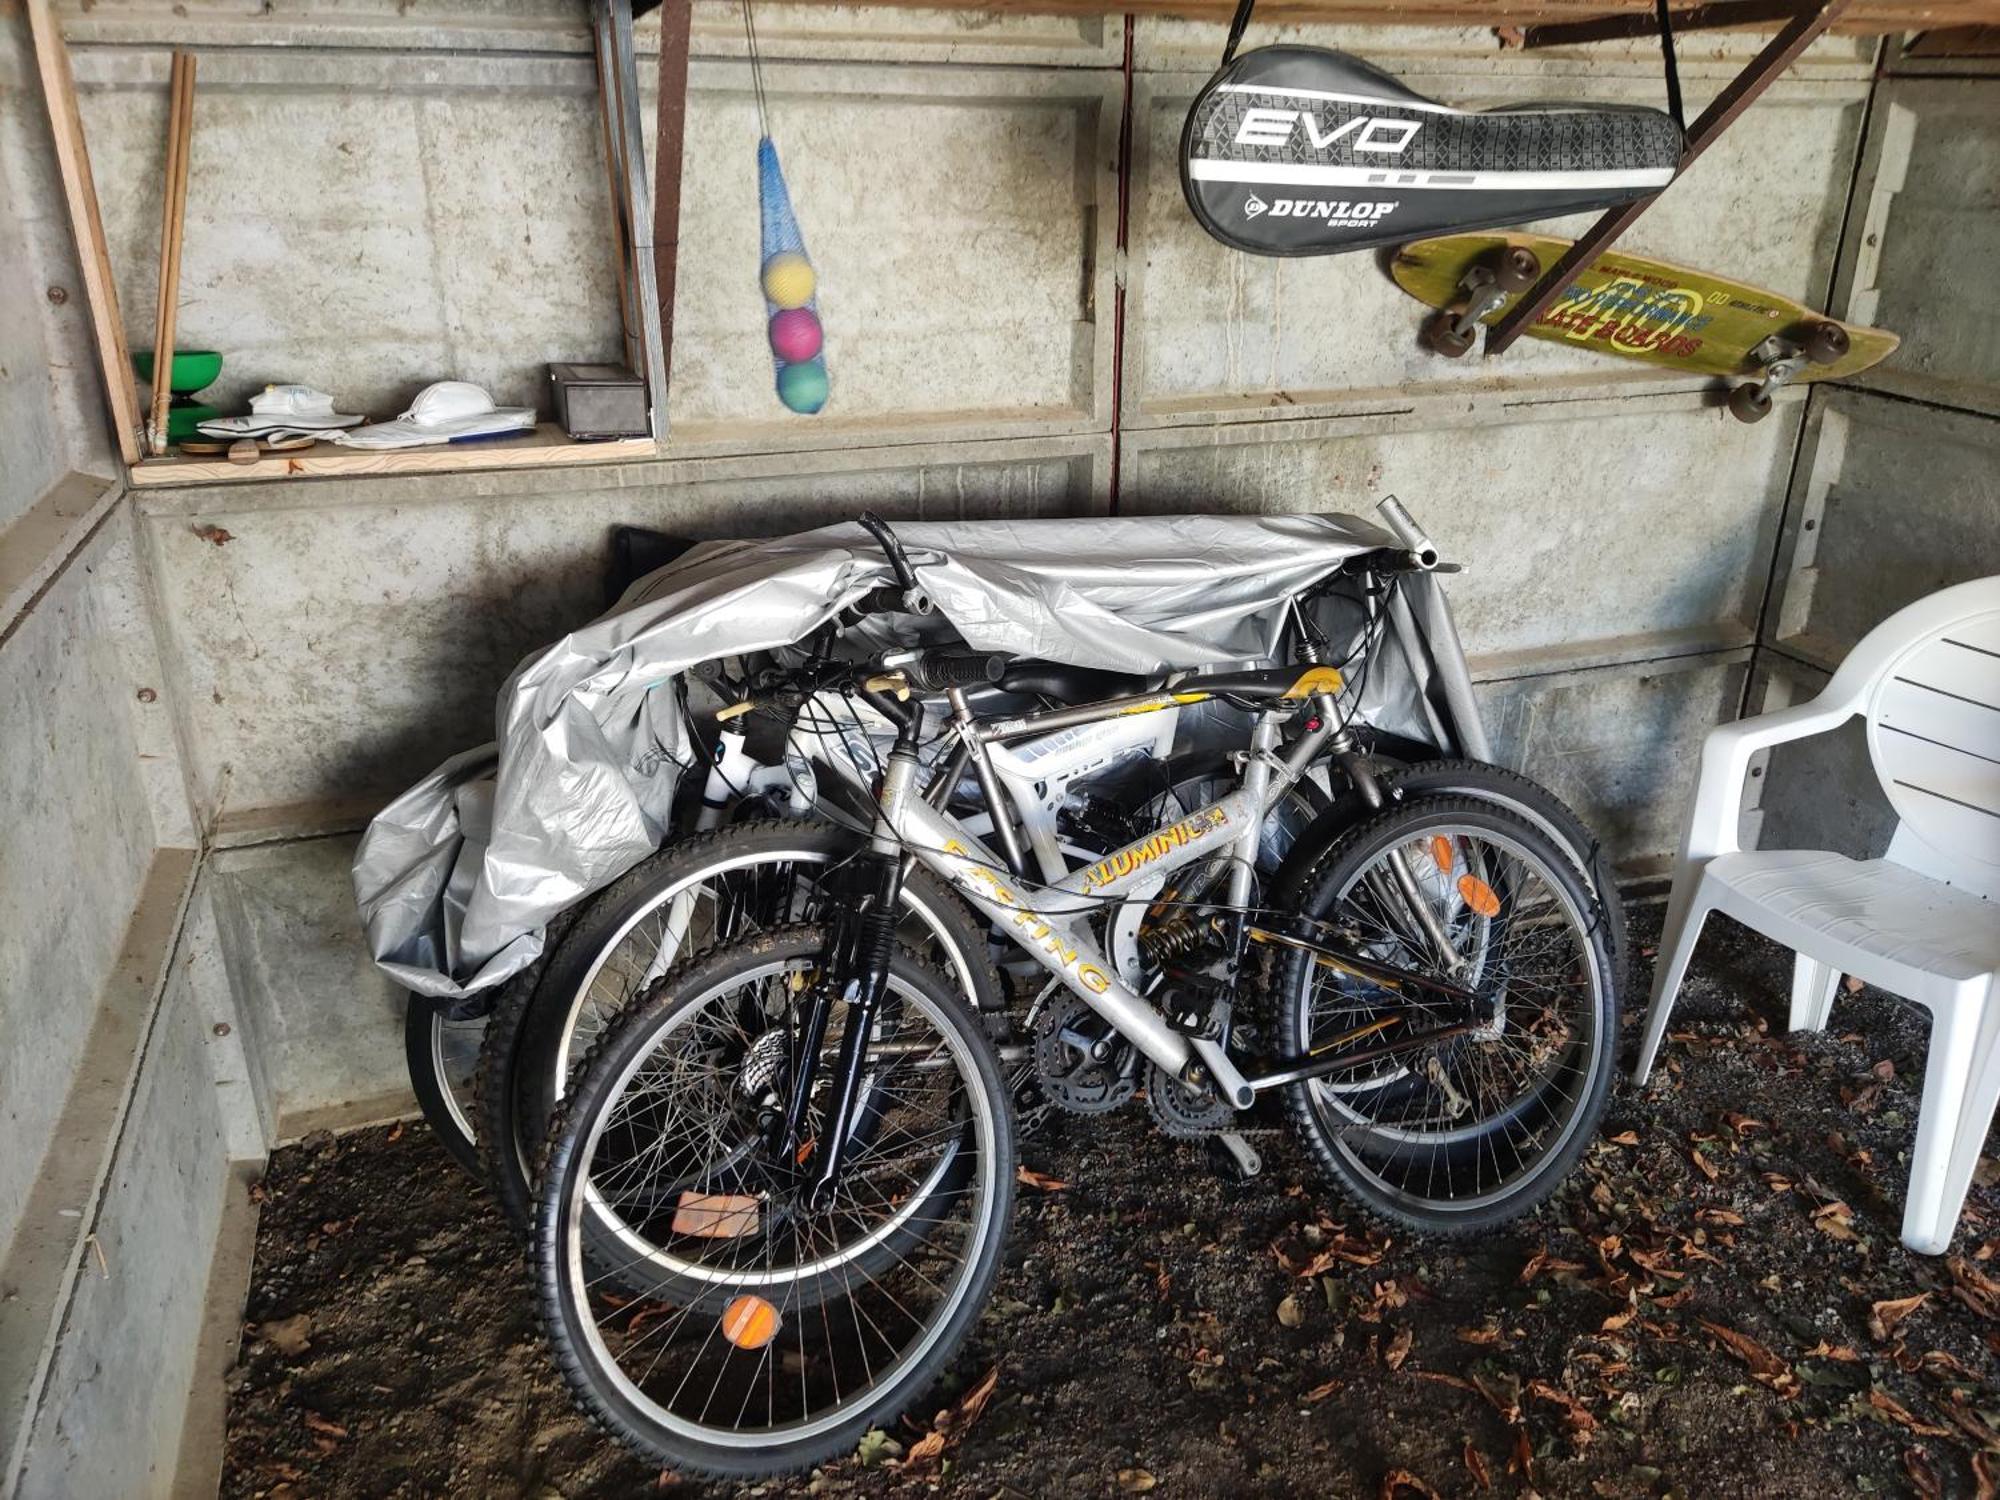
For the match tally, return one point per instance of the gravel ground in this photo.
(1715, 1305)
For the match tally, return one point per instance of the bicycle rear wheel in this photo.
(442, 1056)
(1480, 1126)
(745, 1332)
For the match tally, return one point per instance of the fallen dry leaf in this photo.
(1135, 1481)
(1974, 1287)
(1542, 1261)
(1522, 1460)
(316, 1423)
(1765, 1367)
(213, 534)
(1985, 1474)
(1487, 1334)
(1290, 1313)
(1475, 1465)
(1575, 1413)
(1824, 1350)
(1625, 1138)
(1041, 1181)
(288, 1335)
(1890, 1407)
(1885, 1317)
(1320, 1392)
(1399, 1349)
(1402, 1481)
(1923, 1477)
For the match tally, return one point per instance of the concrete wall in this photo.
(1897, 489)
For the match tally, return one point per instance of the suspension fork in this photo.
(864, 945)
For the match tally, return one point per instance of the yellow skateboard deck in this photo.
(1638, 308)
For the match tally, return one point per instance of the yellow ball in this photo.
(788, 279)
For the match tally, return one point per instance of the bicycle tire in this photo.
(1318, 897)
(557, 1262)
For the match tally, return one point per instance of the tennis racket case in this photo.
(1308, 151)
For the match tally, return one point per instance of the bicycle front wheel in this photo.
(1480, 1125)
(783, 1331)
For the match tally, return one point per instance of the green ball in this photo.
(803, 386)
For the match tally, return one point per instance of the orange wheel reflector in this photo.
(750, 1322)
(1479, 895)
(1441, 854)
(806, 1150)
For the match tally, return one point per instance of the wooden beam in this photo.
(86, 226)
(1865, 17)
(670, 137)
(1741, 92)
(1699, 18)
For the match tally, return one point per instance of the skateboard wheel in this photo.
(1749, 403)
(1519, 269)
(1824, 343)
(1441, 336)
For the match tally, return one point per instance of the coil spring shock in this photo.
(1174, 938)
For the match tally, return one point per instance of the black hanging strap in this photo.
(1242, 20)
(1666, 58)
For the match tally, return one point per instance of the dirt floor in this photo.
(1716, 1305)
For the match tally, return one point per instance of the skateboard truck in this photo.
(1487, 288)
(1781, 361)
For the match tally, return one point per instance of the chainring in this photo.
(1182, 1112)
(1070, 1077)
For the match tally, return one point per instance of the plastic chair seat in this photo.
(1877, 920)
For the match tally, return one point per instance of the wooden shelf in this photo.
(546, 445)
(1866, 17)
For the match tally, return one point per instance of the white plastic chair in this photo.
(1922, 922)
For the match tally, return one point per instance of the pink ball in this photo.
(795, 334)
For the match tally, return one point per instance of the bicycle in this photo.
(805, 1138)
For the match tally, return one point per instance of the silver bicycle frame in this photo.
(1048, 923)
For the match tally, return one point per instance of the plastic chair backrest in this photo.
(1931, 697)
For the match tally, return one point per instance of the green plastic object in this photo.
(194, 369)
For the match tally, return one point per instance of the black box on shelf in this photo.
(599, 401)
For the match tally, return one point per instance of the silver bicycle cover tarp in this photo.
(456, 878)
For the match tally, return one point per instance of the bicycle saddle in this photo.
(1068, 684)
(1308, 151)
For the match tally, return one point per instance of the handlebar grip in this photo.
(934, 673)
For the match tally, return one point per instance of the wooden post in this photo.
(1782, 51)
(87, 226)
(173, 222)
(667, 143)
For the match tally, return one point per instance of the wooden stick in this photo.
(87, 226)
(173, 209)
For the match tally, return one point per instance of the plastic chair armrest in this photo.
(1725, 761)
